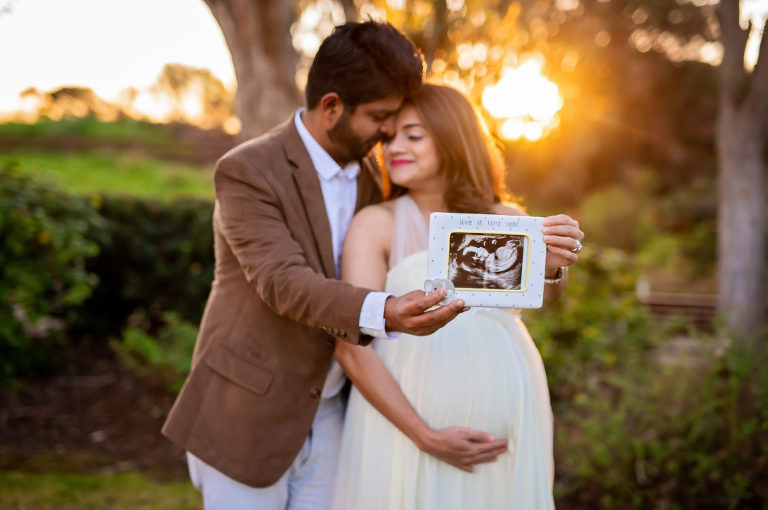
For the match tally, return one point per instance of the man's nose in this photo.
(387, 128)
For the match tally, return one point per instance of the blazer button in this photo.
(342, 334)
(314, 392)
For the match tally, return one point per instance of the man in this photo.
(260, 413)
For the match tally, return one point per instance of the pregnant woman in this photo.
(482, 371)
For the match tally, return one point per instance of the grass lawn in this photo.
(87, 128)
(118, 174)
(85, 492)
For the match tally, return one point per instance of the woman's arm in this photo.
(364, 262)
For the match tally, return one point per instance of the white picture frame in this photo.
(492, 260)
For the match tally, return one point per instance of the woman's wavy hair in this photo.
(469, 157)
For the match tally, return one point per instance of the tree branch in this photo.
(757, 100)
(439, 30)
(734, 40)
(350, 12)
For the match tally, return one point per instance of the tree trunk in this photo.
(741, 224)
(439, 36)
(258, 35)
(743, 108)
(350, 11)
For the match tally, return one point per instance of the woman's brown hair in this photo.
(470, 159)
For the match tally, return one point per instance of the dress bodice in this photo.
(408, 249)
(410, 232)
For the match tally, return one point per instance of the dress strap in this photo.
(410, 233)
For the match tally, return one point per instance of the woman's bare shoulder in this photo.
(368, 238)
(376, 213)
(373, 222)
(509, 209)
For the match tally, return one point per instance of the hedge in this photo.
(155, 257)
(45, 239)
(73, 267)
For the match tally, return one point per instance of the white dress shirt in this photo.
(339, 187)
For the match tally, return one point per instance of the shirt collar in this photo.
(325, 165)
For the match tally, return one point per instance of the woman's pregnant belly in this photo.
(470, 373)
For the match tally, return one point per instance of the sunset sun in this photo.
(524, 101)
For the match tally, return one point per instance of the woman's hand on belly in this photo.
(461, 447)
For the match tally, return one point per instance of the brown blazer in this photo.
(265, 343)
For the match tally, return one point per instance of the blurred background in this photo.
(644, 119)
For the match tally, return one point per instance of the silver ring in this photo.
(578, 247)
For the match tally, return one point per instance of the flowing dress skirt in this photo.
(481, 371)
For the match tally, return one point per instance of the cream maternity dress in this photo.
(483, 371)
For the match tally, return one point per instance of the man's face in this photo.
(357, 132)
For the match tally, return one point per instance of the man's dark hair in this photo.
(363, 62)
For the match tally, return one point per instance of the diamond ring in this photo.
(578, 247)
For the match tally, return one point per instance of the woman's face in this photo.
(411, 155)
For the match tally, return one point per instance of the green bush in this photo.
(638, 427)
(597, 325)
(166, 356)
(45, 238)
(148, 256)
(681, 435)
(618, 219)
(670, 231)
(156, 257)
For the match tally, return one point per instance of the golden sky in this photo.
(109, 45)
(106, 45)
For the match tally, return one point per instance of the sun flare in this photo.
(524, 101)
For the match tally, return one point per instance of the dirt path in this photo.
(91, 416)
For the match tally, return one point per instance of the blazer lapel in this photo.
(308, 185)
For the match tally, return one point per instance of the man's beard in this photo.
(351, 147)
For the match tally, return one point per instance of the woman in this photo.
(480, 371)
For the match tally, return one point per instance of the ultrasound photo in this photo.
(485, 261)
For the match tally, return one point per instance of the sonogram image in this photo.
(485, 260)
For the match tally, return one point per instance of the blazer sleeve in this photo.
(252, 221)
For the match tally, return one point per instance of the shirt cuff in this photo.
(372, 316)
